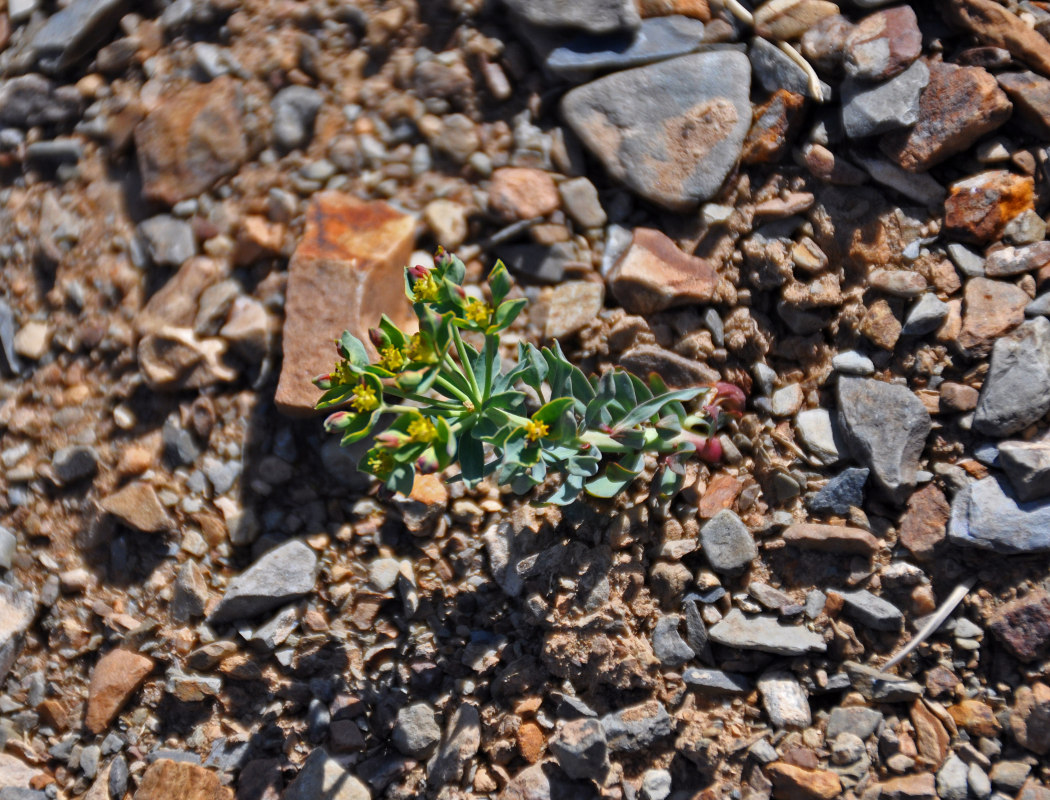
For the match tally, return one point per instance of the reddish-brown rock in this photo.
(345, 273)
(773, 128)
(116, 677)
(979, 207)
(975, 717)
(958, 106)
(697, 9)
(883, 44)
(177, 301)
(191, 140)
(881, 326)
(798, 783)
(992, 309)
(786, 21)
(522, 193)
(722, 492)
(1030, 718)
(138, 506)
(1023, 625)
(831, 539)
(925, 522)
(910, 787)
(531, 741)
(180, 780)
(931, 738)
(653, 274)
(992, 24)
(1030, 94)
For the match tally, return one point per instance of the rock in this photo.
(909, 787)
(138, 506)
(76, 463)
(8, 546)
(925, 521)
(447, 220)
(926, 316)
(28, 101)
(791, 782)
(170, 241)
(286, 573)
(787, 21)
(958, 396)
(879, 687)
(784, 699)
(248, 329)
(832, 539)
(1033, 791)
(671, 131)
(580, 200)
(595, 16)
(931, 738)
(323, 778)
(824, 44)
(458, 746)
(883, 44)
(1016, 391)
(190, 595)
(774, 126)
(919, 187)
(817, 433)
(1010, 261)
(1023, 625)
(537, 262)
(951, 779)
(978, 208)
(571, 306)
(74, 32)
(173, 359)
(115, 678)
(851, 362)
(416, 732)
(677, 371)
(765, 634)
(880, 325)
(1030, 718)
(975, 717)
(346, 272)
(653, 275)
(987, 514)
(1027, 465)
(727, 543)
(886, 425)
(191, 140)
(636, 728)
(857, 720)
(992, 309)
(16, 774)
(517, 193)
(9, 360)
(994, 25)
(33, 340)
(1010, 775)
(656, 784)
(1030, 94)
(581, 749)
(787, 400)
(294, 111)
(775, 70)
(716, 681)
(873, 611)
(177, 302)
(869, 110)
(658, 39)
(17, 611)
(668, 645)
(844, 491)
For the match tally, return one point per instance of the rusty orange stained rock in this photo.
(344, 274)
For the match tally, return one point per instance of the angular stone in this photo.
(876, 686)
(1023, 625)
(522, 193)
(677, 371)
(787, 20)
(920, 187)
(791, 782)
(784, 699)
(925, 521)
(459, 745)
(774, 69)
(765, 634)
(284, 574)
(30, 100)
(925, 316)
(858, 720)
(173, 359)
(987, 514)
(978, 208)
(773, 129)
(909, 787)
(871, 610)
(1016, 391)
(1031, 96)
(824, 44)
(345, 273)
(831, 539)
(881, 326)
(817, 432)
(931, 739)
(581, 749)
(653, 275)
(727, 543)
(1009, 261)
(168, 779)
(844, 491)
(996, 26)
(323, 778)
(887, 426)
(883, 44)
(571, 306)
(668, 644)
(991, 310)
(137, 505)
(1030, 718)
(636, 727)
(671, 131)
(191, 140)
(579, 198)
(73, 32)
(17, 611)
(868, 110)
(115, 678)
(1027, 465)
(294, 112)
(416, 732)
(975, 717)
(595, 16)
(716, 681)
(958, 396)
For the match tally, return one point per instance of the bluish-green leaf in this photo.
(499, 282)
(353, 350)
(471, 459)
(653, 406)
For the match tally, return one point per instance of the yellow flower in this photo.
(425, 289)
(422, 430)
(342, 373)
(477, 311)
(420, 350)
(364, 398)
(380, 462)
(390, 358)
(534, 431)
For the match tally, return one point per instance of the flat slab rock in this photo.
(596, 16)
(988, 515)
(765, 634)
(284, 574)
(671, 131)
(1016, 391)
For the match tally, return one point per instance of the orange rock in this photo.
(345, 273)
(992, 309)
(531, 741)
(654, 274)
(975, 718)
(721, 493)
(137, 505)
(995, 25)
(910, 787)
(116, 677)
(697, 9)
(429, 490)
(880, 326)
(797, 783)
(930, 736)
(924, 524)
(258, 238)
(979, 207)
(771, 132)
(523, 193)
(832, 539)
(180, 780)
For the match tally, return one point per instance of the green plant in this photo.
(454, 403)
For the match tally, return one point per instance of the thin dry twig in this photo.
(942, 613)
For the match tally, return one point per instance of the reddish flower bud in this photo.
(323, 382)
(418, 272)
(338, 421)
(730, 396)
(426, 464)
(442, 258)
(710, 451)
(376, 336)
(388, 439)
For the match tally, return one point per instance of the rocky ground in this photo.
(201, 598)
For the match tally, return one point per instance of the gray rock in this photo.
(18, 793)
(774, 70)
(169, 240)
(696, 631)
(872, 610)
(8, 357)
(64, 150)
(656, 784)
(1027, 465)
(76, 463)
(581, 749)
(1016, 391)
(458, 746)
(538, 262)
(668, 645)
(677, 371)
(31, 100)
(952, 779)
(815, 602)
(322, 778)
(870, 109)
(21, 10)
(816, 430)
(671, 131)
(784, 699)
(1040, 307)
(636, 728)
(580, 200)
(980, 784)
(1010, 776)
(74, 32)
(728, 545)
(918, 186)
(886, 426)
(857, 720)
(190, 594)
(988, 515)
(765, 634)
(716, 681)
(969, 263)
(294, 111)
(17, 610)
(595, 16)
(851, 362)
(118, 777)
(416, 732)
(8, 543)
(1010, 261)
(879, 687)
(658, 39)
(841, 493)
(285, 573)
(925, 316)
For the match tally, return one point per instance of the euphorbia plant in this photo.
(451, 403)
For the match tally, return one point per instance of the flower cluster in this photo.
(452, 403)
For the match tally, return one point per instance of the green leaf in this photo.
(505, 314)
(353, 350)
(567, 492)
(335, 396)
(653, 406)
(456, 270)
(392, 333)
(617, 477)
(584, 465)
(668, 483)
(360, 428)
(499, 283)
(401, 479)
(550, 412)
(471, 459)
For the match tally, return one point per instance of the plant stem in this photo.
(467, 369)
(491, 353)
(452, 389)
